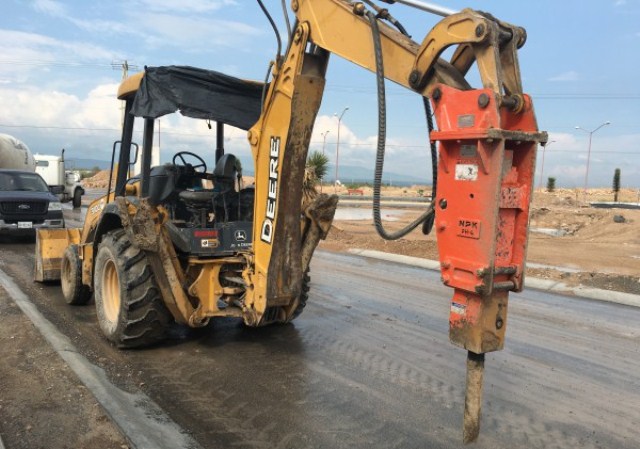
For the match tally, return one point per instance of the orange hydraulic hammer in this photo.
(485, 178)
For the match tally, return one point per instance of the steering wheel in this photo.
(200, 168)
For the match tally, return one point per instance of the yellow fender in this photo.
(50, 247)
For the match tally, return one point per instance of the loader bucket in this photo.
(50, 246)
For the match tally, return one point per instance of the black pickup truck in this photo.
(26, 203)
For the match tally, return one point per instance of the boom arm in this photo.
(488, 139)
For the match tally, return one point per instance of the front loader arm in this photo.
(488, 139)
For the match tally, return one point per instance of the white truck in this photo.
(52, 169)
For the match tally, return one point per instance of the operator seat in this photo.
(224, 177)
(225, 174)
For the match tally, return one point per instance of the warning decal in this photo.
(466, 172)
(458, 309)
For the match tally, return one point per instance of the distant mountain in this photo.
(349, 174)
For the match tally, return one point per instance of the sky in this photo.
(61, 63)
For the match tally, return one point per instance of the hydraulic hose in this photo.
(275, 29)
(427, 216)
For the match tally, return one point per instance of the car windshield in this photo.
(24, 182)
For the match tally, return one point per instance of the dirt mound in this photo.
(604, 251)
(98, 181)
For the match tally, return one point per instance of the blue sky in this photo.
(58, 82)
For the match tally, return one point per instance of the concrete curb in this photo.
(627, 299)
(140, 420)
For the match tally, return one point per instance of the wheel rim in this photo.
(111, 291)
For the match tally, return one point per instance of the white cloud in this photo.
(50, 7)
(197, 6)
(157, 23)
(44, 108)
(193, 33)
(25, 55)
(38, 117)
(571, 75)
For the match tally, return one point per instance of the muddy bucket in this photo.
(50, 246)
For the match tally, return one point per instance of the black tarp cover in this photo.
(198, 93)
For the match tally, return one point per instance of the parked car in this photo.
(27, 203)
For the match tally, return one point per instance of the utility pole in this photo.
(324, 140)
(586, 175)
(544, 148)
(124, 66)
(335, 181)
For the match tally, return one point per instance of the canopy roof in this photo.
(198, 93)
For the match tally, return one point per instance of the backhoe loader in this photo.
(164, 246)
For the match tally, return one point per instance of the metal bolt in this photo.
(358, 9)
(499, 323)
(253, 137)
(443, 203)
(479, 30)
(414, 77)
(294, 5)
(483, 100)
(437, 94)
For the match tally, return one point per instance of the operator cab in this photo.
(211, 212)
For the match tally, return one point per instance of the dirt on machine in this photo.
(187, 241)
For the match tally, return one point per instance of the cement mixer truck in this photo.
(14, 154)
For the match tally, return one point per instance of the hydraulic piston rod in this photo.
(428, 7)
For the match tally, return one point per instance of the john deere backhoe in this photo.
(166, 246)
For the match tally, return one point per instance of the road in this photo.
(369, 365)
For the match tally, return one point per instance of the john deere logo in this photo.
(24, 207)
(240, 236)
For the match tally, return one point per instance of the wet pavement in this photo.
(368, 365)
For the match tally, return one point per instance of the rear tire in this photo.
(77, 198)
(74, 291)
(130, 309)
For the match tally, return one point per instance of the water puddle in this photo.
(550, 231)
(358, 213)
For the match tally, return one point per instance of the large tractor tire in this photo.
(128, 302)
(74, 291)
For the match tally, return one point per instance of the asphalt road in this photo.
(368, 365)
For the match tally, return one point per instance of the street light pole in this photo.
(324, 140)
(335, 181)
(544, 148)
(586, 175)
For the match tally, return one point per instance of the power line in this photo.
(536, 96)
(242, 138)
(52, 63)
(59, 127)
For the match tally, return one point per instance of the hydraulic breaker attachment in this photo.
(485, 176)
(50, 247)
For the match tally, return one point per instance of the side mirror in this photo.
(56, 190)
